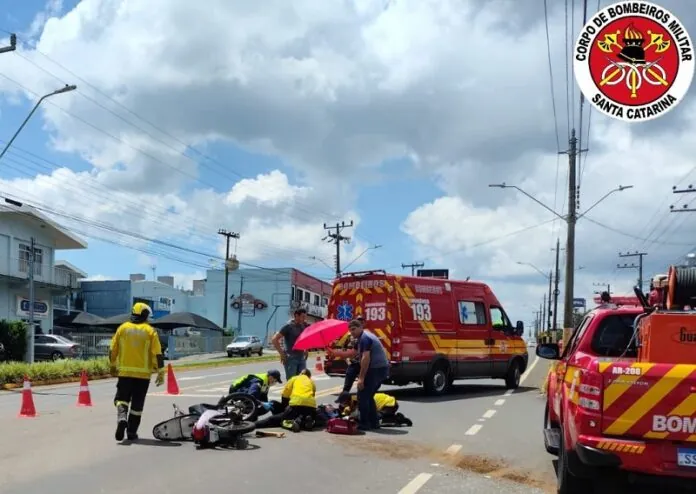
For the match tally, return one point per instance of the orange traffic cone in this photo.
(319, 366)
(172, 386)
(28, 409)
(84, 398)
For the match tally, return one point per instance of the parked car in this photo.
(244, 346)
(54, 347)
(103, 346)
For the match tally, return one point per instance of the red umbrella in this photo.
(321, 334)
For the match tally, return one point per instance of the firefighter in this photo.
(256, 385)
(299, 405)
(135, 354)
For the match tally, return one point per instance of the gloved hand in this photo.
(160, 378)
(267, 406)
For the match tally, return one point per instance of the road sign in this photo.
(579, 303)
(433, 273)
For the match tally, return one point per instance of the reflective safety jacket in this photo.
(300, 390)
(383, 400)
(136, 350)
(246, 381)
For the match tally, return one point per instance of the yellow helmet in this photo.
(141, 309)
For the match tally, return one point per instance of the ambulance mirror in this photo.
(519, 328)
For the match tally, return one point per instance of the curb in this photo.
(177, 368)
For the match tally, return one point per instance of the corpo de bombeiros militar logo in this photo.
(634, 61)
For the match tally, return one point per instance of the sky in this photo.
(276, 119)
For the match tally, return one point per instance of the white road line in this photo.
(499, 403)
(473, 430)
(529, 370)
(416, 484)
(196, 378)
(453, 450)
(214, 390)
(489, 414)
(481, 420)
(509, 392)
(165, 395)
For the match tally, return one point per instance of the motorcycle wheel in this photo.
(245, 404)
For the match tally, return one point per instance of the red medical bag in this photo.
(342, 426)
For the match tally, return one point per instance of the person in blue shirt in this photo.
(374, 370)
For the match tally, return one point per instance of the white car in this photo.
(244, 346)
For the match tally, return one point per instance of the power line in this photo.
(335, 237)
(553, 96)
(639, 267)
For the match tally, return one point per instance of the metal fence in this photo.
(94, 345)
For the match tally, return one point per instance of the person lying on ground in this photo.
(300, 413)
(256, 385)
(387, 408)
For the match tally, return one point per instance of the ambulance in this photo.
(435, 331)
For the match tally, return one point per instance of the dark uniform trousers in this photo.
(131, 391)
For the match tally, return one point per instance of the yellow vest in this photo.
(300, 390)
(134, 350)
(384, 400)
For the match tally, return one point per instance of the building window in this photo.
(25, 259)
(316, 300)
(292, 293)
(299, 293)
(306, 297)
(472, 313)
(324, 302)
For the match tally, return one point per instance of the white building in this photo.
(18, 225)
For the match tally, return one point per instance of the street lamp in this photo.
(13, 44)
(65, 89)
(570, 220)
(533, 266)
(373, 247)
(315, 258)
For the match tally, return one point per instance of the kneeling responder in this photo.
(135, 354)
(300, 396)
(256, 385)
(387, 408)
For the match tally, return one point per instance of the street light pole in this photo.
(13, 44)
(570, 219)
(62, 90)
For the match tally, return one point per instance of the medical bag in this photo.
(342, 426)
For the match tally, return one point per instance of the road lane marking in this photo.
(453, 450)
(165, 395)
(196, 378)
(473, 430)
(416, 484)
(529, 370)
(489, 414)
(499, 403)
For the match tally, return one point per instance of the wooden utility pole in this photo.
(413, 267)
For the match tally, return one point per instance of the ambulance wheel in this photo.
(512, 379)
(437, 382)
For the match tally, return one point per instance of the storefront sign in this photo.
(41, 308)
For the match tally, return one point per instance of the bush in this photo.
(14, 372)
(13, 336)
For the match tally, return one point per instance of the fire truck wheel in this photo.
(437, 381)
(566, 482)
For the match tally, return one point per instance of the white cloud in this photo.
(98, 277)
(185, 280)
(333, 89)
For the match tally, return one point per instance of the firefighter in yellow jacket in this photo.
(135, 354)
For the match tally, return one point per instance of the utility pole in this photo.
(640, 256)
(543, 315)
(32, 296)
(154, 272)
(335, 237)
(239, 312)
(548, 312)
(228, 236)
(413, 267)
(556, 291)
(571, 219)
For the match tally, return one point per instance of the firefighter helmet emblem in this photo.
(634, 61)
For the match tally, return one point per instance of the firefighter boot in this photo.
(308, 423)
(121, 421)
(133, 424)
(291, 425)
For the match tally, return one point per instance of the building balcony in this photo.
(312, 310)
(56, 277)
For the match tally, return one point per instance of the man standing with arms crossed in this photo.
(294, 361)
(135, 354)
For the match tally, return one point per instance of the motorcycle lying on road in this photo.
(207, 425)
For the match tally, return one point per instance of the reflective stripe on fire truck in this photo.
(621, 447)
(614, 391)
(657, 392)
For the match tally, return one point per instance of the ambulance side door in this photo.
(473, 356)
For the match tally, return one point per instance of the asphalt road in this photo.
(480, 438)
